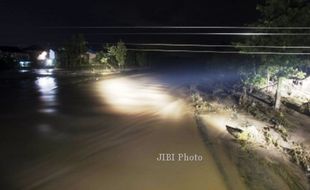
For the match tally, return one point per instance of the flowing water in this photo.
(61, 133)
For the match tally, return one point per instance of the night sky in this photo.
(23, 22)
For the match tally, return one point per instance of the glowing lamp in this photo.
(42, 56)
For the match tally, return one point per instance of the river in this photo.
(66, 132)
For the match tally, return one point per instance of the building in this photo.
(14, 57)
(41, 57)
(91, 56)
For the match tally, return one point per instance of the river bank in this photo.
(267, 155)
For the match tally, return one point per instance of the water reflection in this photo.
(48, 72)
(47, 87)
(23, 71)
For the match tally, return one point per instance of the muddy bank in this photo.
(266, 155)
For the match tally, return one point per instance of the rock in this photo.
(235, 132)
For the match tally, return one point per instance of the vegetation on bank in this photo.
(263, 136)
(278, 75)
(76, 54)
(7, 62)
(268, 72)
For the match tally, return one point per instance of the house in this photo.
(91, 56)
(13, 57)
(41, 57)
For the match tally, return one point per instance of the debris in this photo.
(235, 132)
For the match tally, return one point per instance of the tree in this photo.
(141, 59)
(278, 68)
(104, 59)
(119, 52)
(7, 62)
(74, 52)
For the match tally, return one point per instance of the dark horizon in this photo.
(35, 23)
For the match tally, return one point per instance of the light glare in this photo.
(42, 56)
(128, 96)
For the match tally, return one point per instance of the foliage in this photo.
(281, 13)
(102, 58)
(118, 52)
(272, 67)
(252, 80)
(141, 59)
(74, 52)
(300, 156)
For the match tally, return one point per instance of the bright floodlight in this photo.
(129, 96)
(42, 56)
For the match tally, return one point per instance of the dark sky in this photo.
(22, 21)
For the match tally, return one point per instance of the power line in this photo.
(218, 52)
(204, 33)
(183, 27)
(217, 45)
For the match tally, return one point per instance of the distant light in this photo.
(52, 54)
(24, 64)
(49, 62)
(21, 63)
(23, 71)
(42, 56)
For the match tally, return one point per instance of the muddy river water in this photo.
(110, 133)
